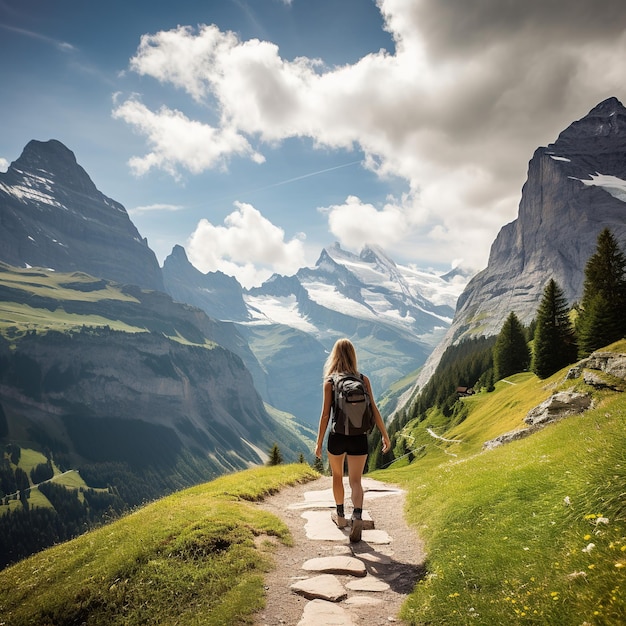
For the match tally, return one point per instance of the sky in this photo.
(256, 132)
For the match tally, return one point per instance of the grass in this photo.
(189, 559)
(532, 532)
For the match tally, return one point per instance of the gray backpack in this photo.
(351, 411)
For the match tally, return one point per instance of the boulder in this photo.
(559, 405)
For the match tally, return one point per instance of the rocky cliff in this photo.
(52, 216)
(576, 187)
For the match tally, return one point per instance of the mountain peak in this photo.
(375, 254)
(57, 161)
(603, 129)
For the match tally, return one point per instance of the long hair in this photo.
(342, 359)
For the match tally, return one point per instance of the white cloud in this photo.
(4, 165)
(456, 110)
(152, 208)
(248, 246)
(178, 141)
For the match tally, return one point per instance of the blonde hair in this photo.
(342, 359)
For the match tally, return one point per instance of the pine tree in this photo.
(318, 465)
(276, 458)
(510, 354)
(554, 339)
(602, 317)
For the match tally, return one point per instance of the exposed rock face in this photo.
(52, 216)
(557, 406)
(575, 188)
(151, 392)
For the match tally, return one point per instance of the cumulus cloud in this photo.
(4, 164)
(248, 246)
(456, 109)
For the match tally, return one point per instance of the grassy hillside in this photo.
(532, 532)
(196, 557)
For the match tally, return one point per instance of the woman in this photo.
(342, 360)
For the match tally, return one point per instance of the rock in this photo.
(323, 587)
(357, 601)
(559, 405)
(514, 435)
(596, 380)
(369, 583)
(322, 613)
(347, 565)
(613, 363)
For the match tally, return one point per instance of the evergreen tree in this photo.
(318, 465)
(554, 340)
(510, 354)
(602, 317)
(276, 458)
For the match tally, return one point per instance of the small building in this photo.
(463, 392)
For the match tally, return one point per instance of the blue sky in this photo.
(256, 132)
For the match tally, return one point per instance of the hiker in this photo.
(342, 364)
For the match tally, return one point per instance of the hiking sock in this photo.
(357, 513)
(340, 512)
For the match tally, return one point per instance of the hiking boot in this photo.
(341, 522)
(355, 532)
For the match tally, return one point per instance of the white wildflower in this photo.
(589, 547)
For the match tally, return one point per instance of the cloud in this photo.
(4, 164)
(178, 141)
(456, 109)
(61, 45)
(248, 246)
(152, 208)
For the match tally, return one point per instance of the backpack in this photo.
(351, 410)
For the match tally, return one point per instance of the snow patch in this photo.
(560, 158)
(611, 184)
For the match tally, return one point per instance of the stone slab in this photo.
(370, 583)
(322, 613)
(356, 601)
(323, 587)
(319, 526)
(341, 565)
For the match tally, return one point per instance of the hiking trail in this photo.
(325, 580)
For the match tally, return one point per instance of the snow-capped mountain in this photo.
(369, 287)
(394, 314)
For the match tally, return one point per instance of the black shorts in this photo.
(348, 444)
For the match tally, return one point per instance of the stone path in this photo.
(324, 579)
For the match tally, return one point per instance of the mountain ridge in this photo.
(574, 189)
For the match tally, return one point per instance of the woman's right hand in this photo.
(318, 450)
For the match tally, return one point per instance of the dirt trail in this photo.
(398, 562)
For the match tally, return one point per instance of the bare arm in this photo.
(324, 417)
(380, 424)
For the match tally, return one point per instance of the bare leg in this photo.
(336, 467)
(356, 465)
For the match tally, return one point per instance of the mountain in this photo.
(218, 295)
(575, 188)
(52, 216)
(395, 314)
(147, 385)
